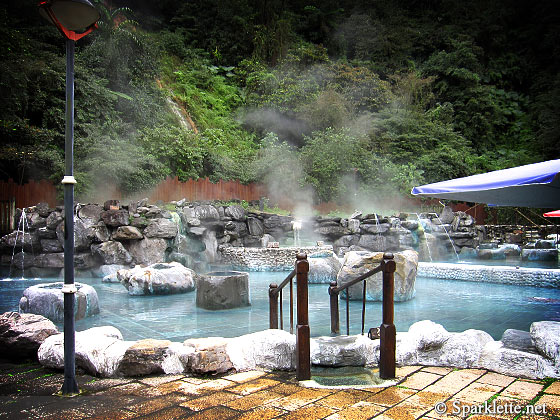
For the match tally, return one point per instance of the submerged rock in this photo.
(158, 279)
(47, 300)
(357, 263)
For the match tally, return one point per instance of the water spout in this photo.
(448, 237)
(296, 226)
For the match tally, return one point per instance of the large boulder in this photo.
(353, 350)
(208, 355)
(47, 299)
(22, 334)
(158, 279)
(161, 228)
(148, 250)
(255, 226)
(357, 263)
(269, 349)
(112, 252)
(90, 214)
(223, 290)
(144, 357)
(236, 212)
(99, 351)
(127, 233)
(115, 218)
(206, 212)
(546, 337)
(323, 268)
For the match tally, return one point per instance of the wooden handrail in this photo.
(275, 301)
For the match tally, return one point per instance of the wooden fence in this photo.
(7, 216)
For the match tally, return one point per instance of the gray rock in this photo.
(235, 212)
(99, 351)
(20, 240)
(497, 358)
(115, 218)
(346, 240)
(236, 229)
(112, 252)
(108, 269)
(373, 242)
(269, 349)
(545, 244)
(90, 214)
(47, 299)
(197, 231)
(446, 216)
(223, 290)
(161, 228)
(208, 355)
(84, 261)
(53, 220)
(82, 241)
(518, 340)
(410, 224)
(52, 260)
(358, 263)
(144, 357)
(255, 226)
(51, 245)
(22, 334)
(46, 233)
(375, 229)
(546, 337)
(158, 279)
(323, 268)
(36, 221)
(22, 260)
(43, 209)
(332, 232)
(353, 350)
(148, 250)
(127, 233)
(206, 212)
(98, 233)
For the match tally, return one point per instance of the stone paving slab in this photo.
(429, 393)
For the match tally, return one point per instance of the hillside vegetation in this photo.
(334, 99)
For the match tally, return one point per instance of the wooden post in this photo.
(273, 306)
(335, 321)
(388, 333)
(303, 357)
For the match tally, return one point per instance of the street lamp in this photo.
(69, 16)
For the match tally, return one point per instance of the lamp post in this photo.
(69, 16)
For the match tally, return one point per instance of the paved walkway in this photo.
(26, 392)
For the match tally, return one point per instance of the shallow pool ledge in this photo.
(522, 276)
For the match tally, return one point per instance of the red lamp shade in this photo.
(70, 15)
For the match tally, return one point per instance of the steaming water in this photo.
(456, 305)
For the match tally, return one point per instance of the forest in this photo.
(334, 99)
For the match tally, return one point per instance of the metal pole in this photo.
(70, 386)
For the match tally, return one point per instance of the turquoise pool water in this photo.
(457, 305)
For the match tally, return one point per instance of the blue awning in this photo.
(535, 185)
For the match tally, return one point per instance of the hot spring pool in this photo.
(457, 305)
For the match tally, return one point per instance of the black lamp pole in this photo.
(68, 16)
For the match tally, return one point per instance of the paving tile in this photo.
(115, 415)
(427, 399)
(173, 413)
(101, 384)
(341, 399)
(477, 392)
(404, 411)
(506, 407)
(261, 413)
(245, 376)
(438, 370)
(287, 389)
(420, 380)
(492, 378)
(311, 412)
(360, 411)
(551, 403)
(524, 390)
(391, 396)
(403, 371)
(554, 388)
(453, 382)
(169, 387)
(254, 400)
(214, 413)
(131, 388)
(299, 399)
(156, 404)
(452, 411)
(203, 387)
(253, 386)
(214, 399)
(158, 380)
